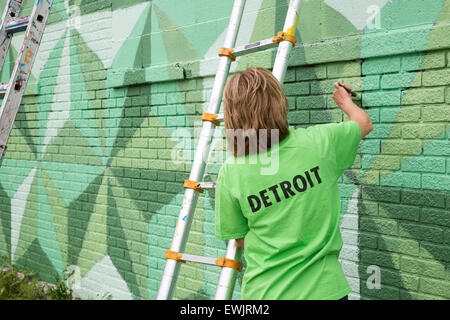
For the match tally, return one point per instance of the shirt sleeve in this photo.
(230, 222)
(341, 142)
(345, 138)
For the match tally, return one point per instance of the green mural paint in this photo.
(46, 229)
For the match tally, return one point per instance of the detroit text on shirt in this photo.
(300, 183)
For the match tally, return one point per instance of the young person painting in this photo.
(278, 196)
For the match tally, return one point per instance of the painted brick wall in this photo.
(93, 176)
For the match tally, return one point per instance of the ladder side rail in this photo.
(227, 278)
(171, 269)
(12, 9)
(284, 49)
(22, 70)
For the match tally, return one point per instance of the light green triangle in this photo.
(58, 210)
(46, 228)
(28, 227)
(95, 241)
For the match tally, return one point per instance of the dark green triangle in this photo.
(5, 220)
(118, 249)
(79, 213)
(35, 259)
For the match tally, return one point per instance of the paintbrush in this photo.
(354, 95)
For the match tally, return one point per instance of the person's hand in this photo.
(340, 95)
(343, 97)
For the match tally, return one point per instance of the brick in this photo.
(381, 194)
(291, 103)
(381, 98)
(385, 293)
(398, 245)
(295, 89)
(367, 240)
(383, 226)
(384, 162)
(421, 232)
(419, 61)
(401, 80)
(165, 110)
(435, 287)
(447, 236)
(419, 96)
(406, 281)
(378, 258)
(436, 77)
(195, 96)
(354, 83)
(402, 114)
(298, 117)
(326, 116)
(411, 131)
(433, 60)
(436, 113)
(423, 198)
(399, 211)
(187, 85)
(322, 87)
(369, 146)
(368, 207)
(400, 179)
(179, 97)
(374, 114)
(402, 147)
(422, 267)
(424, 164)
(437, 148)
(381, 65)
(343, 69)
(370, 82)
(381, 131)
(436, 181)
(311, 73)
(435, 217)
(432, 131)
(434, 251)
(290, 75)
(311, 102)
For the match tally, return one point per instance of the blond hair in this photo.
(254, 102)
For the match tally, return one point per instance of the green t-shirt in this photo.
(288, 211)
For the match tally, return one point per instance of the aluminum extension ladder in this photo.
(230, 264)
(13, 91)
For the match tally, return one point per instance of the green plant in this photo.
(18, 284)
(61, 291)
(21, 284)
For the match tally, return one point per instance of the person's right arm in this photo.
(355, 113)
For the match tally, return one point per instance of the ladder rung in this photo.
(3, 88)
(221, 262)
(254, 47)
(199, 186)
(198, 259)
(207, 185)
(219, 117)
(17, 24)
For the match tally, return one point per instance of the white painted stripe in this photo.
(18, 205)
